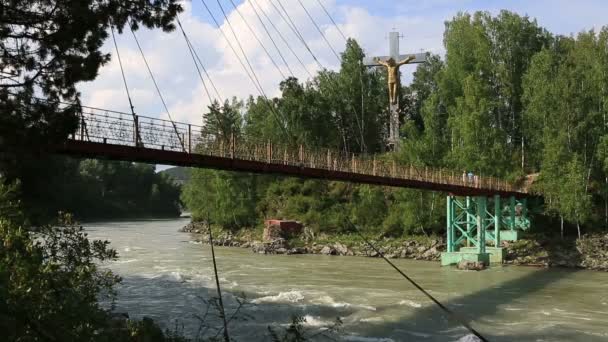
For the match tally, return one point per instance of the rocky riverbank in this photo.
(590, 252)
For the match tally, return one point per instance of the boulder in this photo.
(258, 247)
(297, 250)
(327, 250)
(431, 253)
(341, 249)
(194, 227)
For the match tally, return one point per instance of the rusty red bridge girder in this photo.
(113, 135)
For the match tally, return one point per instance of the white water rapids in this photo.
(165, 274)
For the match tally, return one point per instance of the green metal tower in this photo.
(471, 223)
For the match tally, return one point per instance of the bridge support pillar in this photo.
(466, 221)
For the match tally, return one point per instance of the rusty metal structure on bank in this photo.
(122, 136)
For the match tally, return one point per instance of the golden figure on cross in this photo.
(392, 68)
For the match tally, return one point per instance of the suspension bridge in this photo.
(480, 209)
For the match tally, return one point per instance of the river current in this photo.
(168, 277)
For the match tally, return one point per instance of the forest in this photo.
(101, 189)
(508, 99)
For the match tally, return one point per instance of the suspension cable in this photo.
(270, 36)
(238, 43)
(447, 310)
(295, 30)
(217, 284)
(319, 30)
(252, 78)
(258, 39)
(360, 123)
(160, 95)
(285, 41)
(200, 75)
(203, 67)
(138, 141)
(332, 20)
(238, 57)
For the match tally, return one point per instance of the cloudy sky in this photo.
(420, 22)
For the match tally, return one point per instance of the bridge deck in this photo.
(113, 135)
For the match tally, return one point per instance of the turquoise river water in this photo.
(167, 276)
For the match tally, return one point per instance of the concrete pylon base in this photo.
(453, 258)
(497, 255)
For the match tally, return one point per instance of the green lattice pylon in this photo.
(466, 221)
(470, 218)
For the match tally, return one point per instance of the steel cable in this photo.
(258, 39)
(447, 310)
(160, 95)
(253, 78)
(285, 41)
(138, 141)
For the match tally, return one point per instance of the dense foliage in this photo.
(47, 48)
(508, 99)
(97, 189)
(51, 281)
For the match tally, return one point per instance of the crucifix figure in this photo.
(393, 75)
(392, 66)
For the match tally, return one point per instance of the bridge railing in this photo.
(110, 127)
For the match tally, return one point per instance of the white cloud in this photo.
(172, 65)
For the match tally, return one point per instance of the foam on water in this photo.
(469, 338)
(329, 301)
(372, 319)
(163, 275)
(282, 297)
(313, 321)
(177, 276)
(410, 303)
(356, 338)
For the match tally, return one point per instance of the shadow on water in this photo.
(477, 309)
(180, 300)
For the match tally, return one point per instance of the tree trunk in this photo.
(562, 227)
(578, 227)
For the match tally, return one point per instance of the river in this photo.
(165, 275)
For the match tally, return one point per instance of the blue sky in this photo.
(421, 23)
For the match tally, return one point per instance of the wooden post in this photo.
(232, 145)
(374, 166)
(189, 138)
(136, 130)
(268, 152)
(81, 127)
